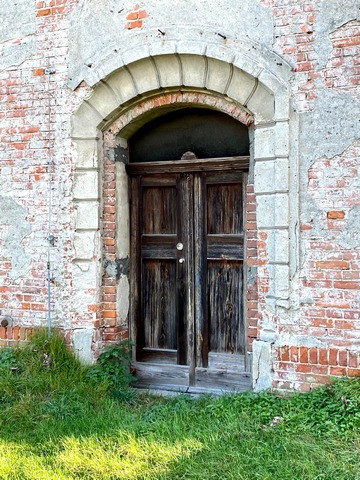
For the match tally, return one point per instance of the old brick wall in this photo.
(51, 53)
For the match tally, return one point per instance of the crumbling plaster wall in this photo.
(81, 41)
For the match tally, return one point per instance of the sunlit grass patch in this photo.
(130, 459)
(57, 422)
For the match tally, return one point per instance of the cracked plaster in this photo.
(14, 215)
(17, 22)
(331, 16)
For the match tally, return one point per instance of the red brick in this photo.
(304, 354)
(294, 354)
(43, 12)
(354, 359)
(343, 358)
(333, 264)
(337, 371)
(304, 368)
(333, 357)
(347, 285)
(346, 42)
(39, 72)
(336, 214)
(9, 333)
(2, 332)
(323, 356)
(285, 354)
(134, 24)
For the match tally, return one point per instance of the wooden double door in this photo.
(187, 275)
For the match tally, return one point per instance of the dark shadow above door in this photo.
(207, 133)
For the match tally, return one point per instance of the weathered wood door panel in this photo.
(187, 278)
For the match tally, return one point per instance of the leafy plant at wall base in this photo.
(8, 359)
(113, 368)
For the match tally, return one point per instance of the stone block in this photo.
(240, 87)
(218, 75)
(277, 86)
(264, 142)
(219, 52)
(279, 281)
(261, 365)
(271, 176)
(169, 70)
(145, 75)
(262, 105)
(282, 139)
(122, 212)
(247, 65)
(122, 301)
(272, 210)
(278, 246)
(104, 100)
(87, 153)
(85, 245)
(193, 70)
(85, 122)
(282, 106)
(85, 291)
(82, 343)
(87, 215)
(123, 85)
(87, 279)
(86, 185)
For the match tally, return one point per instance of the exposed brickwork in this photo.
(343, 68)
(13, 336)
(29, 112)
(252, 262)
(296, 40)
(315, 334)
(135, 18)
(303, 368)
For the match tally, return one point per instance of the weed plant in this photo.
(60, 420)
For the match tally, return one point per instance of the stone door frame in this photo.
(130, 91)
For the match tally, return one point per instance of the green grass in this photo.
(58, 421)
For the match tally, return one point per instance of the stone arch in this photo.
(220, 79)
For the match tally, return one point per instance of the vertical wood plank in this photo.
(181, 276)
(190, 312)
(159, 214)
(135, 267)
(245, 177)
(225, 306)
(185, 274)
(225, 207)
(200, 256)
(159, 313)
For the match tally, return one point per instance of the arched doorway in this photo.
(188, 172)
(124, 97)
